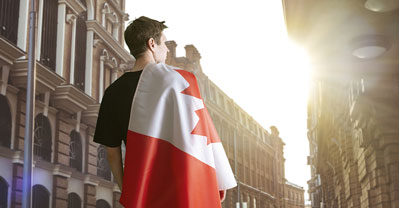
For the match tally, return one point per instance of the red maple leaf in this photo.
(205, 125)
(193, 89)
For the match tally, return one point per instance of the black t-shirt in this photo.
(114, 114)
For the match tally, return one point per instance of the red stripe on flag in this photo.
(157, 174)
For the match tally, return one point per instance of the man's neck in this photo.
(142, 62)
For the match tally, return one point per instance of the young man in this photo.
(174, 158)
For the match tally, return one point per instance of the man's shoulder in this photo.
(162, 66)
(169, 70)
(114, 86)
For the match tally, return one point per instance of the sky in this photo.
(246, 52)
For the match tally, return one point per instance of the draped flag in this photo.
(174, 156)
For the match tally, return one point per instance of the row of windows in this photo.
(295, 196)
(41, 197)
(9, 13)
(240, 115)
(43, 141)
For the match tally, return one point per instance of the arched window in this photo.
(108, 72)
(3, 192)
(40, 197)
(105, 11)
(101, 203)
(103, 169)
(115, 26)
(5, 122)
(75, 153)
(9, 14)
(74, 201)
(49, 33)
(42, 137)
(80, 51)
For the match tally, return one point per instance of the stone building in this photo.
(353, 111)
(79, 51)
(256, 156)
(294, 196)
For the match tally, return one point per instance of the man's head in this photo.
(144, 36)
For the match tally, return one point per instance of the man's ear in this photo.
(151, 44)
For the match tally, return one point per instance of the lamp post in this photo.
(235, 168)
(30, 93)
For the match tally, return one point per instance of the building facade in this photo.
(294, 196)
(79, 52)
(353, 112)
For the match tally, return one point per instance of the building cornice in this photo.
(117, 8)
(46, 80)
(106, 183)
(89, 116)
(91, 180)
(17, 157)
(256, 190)
(8, 153)
(76, 6)
(60, 170)
(39, 104)
(71, 99)
(294, 186)
(116, 188)
(9, 52)
(116, 48)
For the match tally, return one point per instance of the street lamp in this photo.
(369, 46)
(382, 5)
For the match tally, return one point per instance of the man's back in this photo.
(113, 117)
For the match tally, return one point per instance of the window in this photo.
(42, 137)
(9, 14)
(80, 51)
(74, 201)
(3, 192)
(229, 107)
(49, 33)
(40, 197)
(75, 153)
(221, 100)
(212, 92)
(102, 204)
(107, 77)
(103, 169)
(5, 122)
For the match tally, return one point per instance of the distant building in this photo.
(294, 196)
(259, 166)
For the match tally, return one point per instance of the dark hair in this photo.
(140, 31)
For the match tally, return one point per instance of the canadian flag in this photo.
(174, 156)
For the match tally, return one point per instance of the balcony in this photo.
(109, 41)
(71, 99)
(9, 52)
(89, 116)
(46, 80)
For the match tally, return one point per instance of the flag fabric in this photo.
(174, 156)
